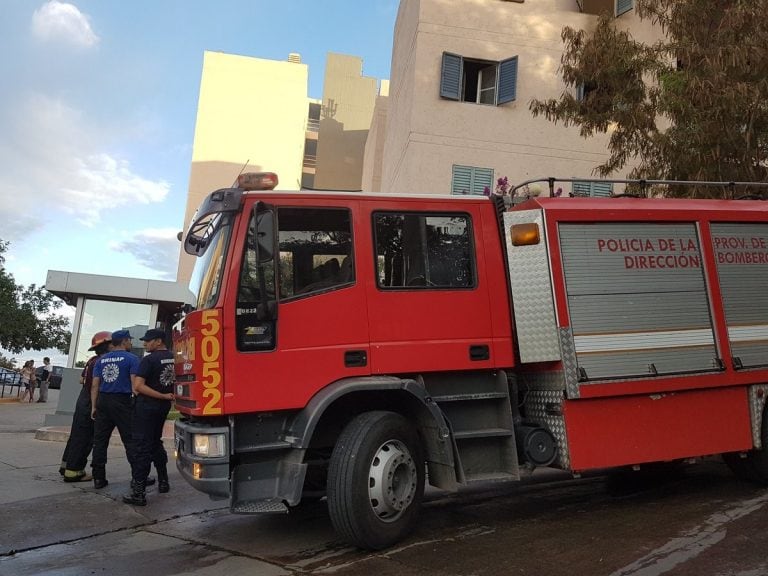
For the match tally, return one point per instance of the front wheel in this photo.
(376, 480)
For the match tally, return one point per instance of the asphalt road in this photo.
(679, 521)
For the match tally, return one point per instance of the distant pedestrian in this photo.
(80, 441)
(153, 388)
(111, 404)
(43, 375)
(28, 380)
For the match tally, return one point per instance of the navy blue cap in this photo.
(120, 335)
(152, 334)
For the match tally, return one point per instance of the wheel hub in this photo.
(392, 480)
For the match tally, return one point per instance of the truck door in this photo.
(428, 304)
(313, 329)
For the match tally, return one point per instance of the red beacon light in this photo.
(257, 181)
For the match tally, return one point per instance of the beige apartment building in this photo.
(462, 77)
(255, 115)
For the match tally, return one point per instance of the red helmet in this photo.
(100, 338)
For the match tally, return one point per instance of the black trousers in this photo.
(80, 441)
(112, 411)
(149, 417)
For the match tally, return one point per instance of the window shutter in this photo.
(623, 6)
(507, 81)
(602, 189)
(580, 92)
(594, 189)
(462, 180)
(450, 77)
(483, 177)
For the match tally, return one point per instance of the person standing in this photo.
(44, 377)
(111, 402)
(28, 380)
(153, 389)
(80, 442)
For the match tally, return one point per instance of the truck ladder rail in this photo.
(643, 183)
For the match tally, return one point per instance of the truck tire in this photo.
(376, 480)
(753, 467)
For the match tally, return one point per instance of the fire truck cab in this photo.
(355, 346)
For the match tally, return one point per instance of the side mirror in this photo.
(265, 236)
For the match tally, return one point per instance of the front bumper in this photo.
(208, 475)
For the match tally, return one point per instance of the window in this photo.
(479, 81)
(584, 89)
(471, 180)
(617, 7)
(623, 6)
(424, 251)
(593, 189)
(315, 250)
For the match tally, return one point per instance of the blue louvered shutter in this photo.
(483, 177)
(594, 189)
(602, 189)
(462, 180)
(623, 6)
(507, 81)
(450, 76)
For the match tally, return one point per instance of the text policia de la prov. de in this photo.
(661, 253)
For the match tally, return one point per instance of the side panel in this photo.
(635, 429)
(637, 300)
(741, 254)
(531, 285)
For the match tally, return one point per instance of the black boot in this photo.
(163, 486)
(147, 483)
(138, 494)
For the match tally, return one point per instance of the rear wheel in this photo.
(752, 466)
(376, 480)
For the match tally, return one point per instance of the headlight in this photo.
(210, 445)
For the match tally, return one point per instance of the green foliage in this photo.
(28, 319)
(692, 106)
(9, 363)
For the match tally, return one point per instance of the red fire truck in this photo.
(356, 346)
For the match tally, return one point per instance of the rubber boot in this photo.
(138, 495)
(163, 486)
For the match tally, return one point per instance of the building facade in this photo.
(255, 115)
(462, 78)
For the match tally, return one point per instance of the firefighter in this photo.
(111, 402)
(153, 389)
(80, 442)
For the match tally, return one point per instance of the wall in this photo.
(427, 135)
(249, 110)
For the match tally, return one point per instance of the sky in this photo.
(97, 111)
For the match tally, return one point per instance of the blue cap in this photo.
(120, 335)
(152, 334)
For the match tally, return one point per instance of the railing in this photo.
(10, 379)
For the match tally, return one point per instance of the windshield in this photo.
(208, 272)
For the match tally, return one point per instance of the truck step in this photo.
(490, 477)
(469, 397)
(259, 507)
(482, 433)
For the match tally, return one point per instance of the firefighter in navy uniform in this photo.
(153, 389)
(111, 402)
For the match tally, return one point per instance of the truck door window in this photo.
(424, 251)
(315, 250)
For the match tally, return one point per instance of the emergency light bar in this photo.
(257, 181)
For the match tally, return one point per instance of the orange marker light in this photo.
(525, 234)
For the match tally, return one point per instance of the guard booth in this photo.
(109, 303)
